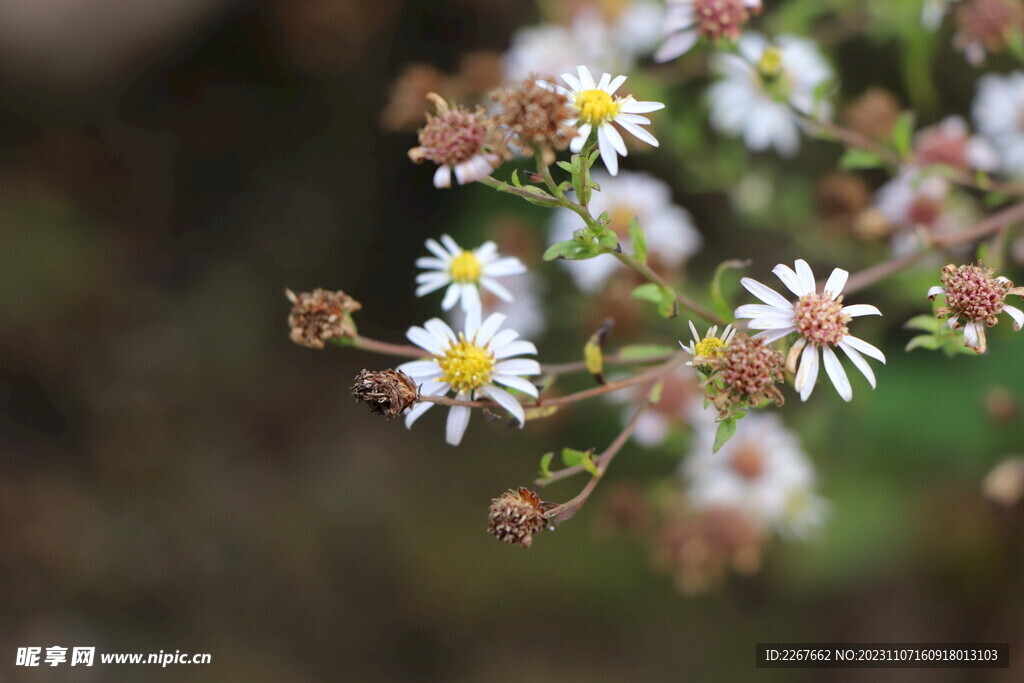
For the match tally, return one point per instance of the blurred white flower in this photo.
(913, 201)
(999, 114)
(471, 364)
(464, 272)
(682, 402)
(819, 318)
(950, 142)
(761, 471)
(671, 235)
(763, 85)
(933, 11)
(525, 313)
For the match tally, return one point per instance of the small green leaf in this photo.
(543, 198)
(859, 158)
(608, 240)
(725, 431)
(637, 351)
(923, 322)
(648, 292)
(545, 464)
(572, 457)
(924, 341)
(902, 133)
(565, 166)
(638, 241)
(539, 412)
(515, 178)
(572, 250)
(663, 297)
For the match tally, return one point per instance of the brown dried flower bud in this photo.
(986, 25)
(748, 371)
(387, 392)
(458, 140)
(974, 294)
(873, 113)
(320, 315)
(535, 115)
(516, 516)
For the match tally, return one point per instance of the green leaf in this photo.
(565, 166)
(663, 297)
(722, 306)
(924, 341)
(859, 158)
(539, 412)
(543, 198)
(545, 464)
(637, 351)
(515, 178)
(638, 241)
(649, 292)
(572, 250)
(923, 322)
(572, 457)
(725, 431)
(902, 133)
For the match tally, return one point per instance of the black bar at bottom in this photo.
(883, 655)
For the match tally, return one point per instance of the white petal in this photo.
(458, 420)
(586, 80)
(473, 321)
(518, 366)
(771, 322)
(441, 331)
(506, 401)
(451, 245)
(934, 292)
(573, 82)
(432, 285)
(443, 177)
(790, 279)
(807, 375)
(498, 290)
(766, 294)
(693, 330)
(637, 132)
(438, 251)
(835, 372)
(490, 327)
(770, 336)
(432, 263)
(676, 46)
(517, 383)
(760, 310)
(505, 266)
(634, 107)
(864, 347)
(859, 362)
(419, 369)
(503, 339)
(486, 252)
(415, 412)
(836, 282)
(614, 84)
(582, 135)
(803, 271)
(1016, 314)
(633, 118)
(426, 341)
(515, 348)
(611, 161)
(451, 297)
(615, 138)
(470, 297)
(857, 310)
(971, 334)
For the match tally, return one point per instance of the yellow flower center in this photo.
(770, 65)
(466, 366)
(465, 268)
(709, 346)
(596, 106)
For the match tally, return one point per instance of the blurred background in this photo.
(176, 474)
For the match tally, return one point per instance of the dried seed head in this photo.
(717, 19)
(321, 315)
(534, 115)
(819, 318)
(454, 135)
(387, 392)
(749, 371)
(988, 22)
(516, 516)
(972, 293)
(873, 114)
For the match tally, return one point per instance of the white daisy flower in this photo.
(682, 402)
(471, 364)
(688, 20)
(819, 318)
(710, 345)
(671, 235)
(598, 107)
(999, 114)
(761, 471)
(762, 86)
(464, 272)
(912, 201)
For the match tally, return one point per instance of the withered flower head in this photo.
(516, 516)
(748, 371)
(974, 294)
(459, 140)
(986, 25)
(320, 315)
(387, 392)
(873, 114)
(534, 115)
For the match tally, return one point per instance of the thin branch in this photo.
(684, 301)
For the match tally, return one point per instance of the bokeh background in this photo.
(176, 474)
